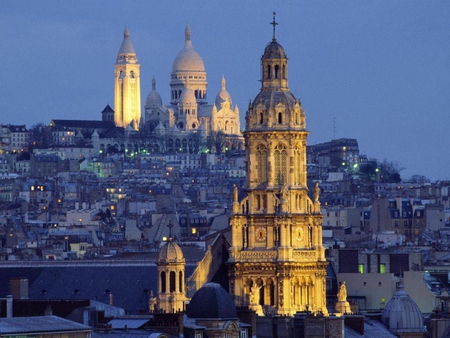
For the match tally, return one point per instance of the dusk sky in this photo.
(377, 71)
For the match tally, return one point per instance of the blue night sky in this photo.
(377, 71)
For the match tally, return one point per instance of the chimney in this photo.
(9, 306)
(18, 288)
(48, 310)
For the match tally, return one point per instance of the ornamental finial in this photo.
(274, 24)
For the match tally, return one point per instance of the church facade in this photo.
(277, 262)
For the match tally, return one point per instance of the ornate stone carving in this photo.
(258, 256)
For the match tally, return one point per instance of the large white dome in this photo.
(188, 60)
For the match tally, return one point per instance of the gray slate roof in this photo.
(38, 324)
(129, 284)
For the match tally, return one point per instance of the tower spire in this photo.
(187, 33)
(274, 24)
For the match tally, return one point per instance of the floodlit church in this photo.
(277, 261)
(188, 122)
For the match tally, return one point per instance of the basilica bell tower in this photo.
(127, 86)
(277, 262)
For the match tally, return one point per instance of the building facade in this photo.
(277, 260)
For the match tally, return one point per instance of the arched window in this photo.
(280, 164)
(132, 74)
(172, 281)
(121, 75)
(261, 118)
(268, 71)
(180, 281)
(277, 72)
(261, 160)
(178, 143)
(280, 117)
(163, 281)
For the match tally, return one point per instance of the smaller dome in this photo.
(223, 95)
(402, 314)
(274, 51)
(153, 98)
(170, 252)
(211, 301)
(188, 96)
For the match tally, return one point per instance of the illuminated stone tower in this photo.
(171, 295)
(127, 85)
(277, 260)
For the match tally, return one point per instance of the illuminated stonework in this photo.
(189, 116)
(277, 228)
(225, 118)
(127, 86)
(171, 295)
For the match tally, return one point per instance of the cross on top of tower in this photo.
(274, 24)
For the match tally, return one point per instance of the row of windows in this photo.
(280, 165)
(381, 268)
(190, 76)
(172, 281)
(275, 72)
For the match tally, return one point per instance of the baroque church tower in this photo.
(127, 86)
(171, 295)
(277, 260)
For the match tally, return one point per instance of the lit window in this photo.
(361, 268)
(382, 268)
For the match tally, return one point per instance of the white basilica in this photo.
(188, 123)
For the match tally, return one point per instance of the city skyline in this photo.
(374, 71)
